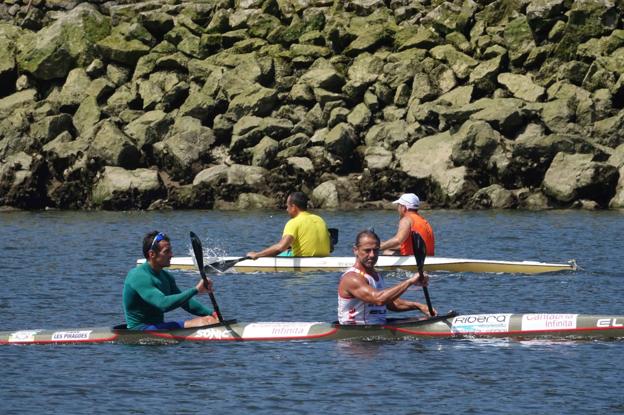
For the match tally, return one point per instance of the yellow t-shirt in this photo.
(311, 237)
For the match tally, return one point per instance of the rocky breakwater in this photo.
(234, 103)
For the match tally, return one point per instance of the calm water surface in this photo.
(66, 269)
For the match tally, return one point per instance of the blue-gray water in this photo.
(66, 269)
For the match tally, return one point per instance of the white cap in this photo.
(409, 200)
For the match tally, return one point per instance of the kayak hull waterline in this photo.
(385, 263)
(519, 326)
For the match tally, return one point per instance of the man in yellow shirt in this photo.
(305, 234)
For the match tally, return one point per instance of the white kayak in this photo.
(385, 263)
(451, 325)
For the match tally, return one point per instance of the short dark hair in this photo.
(299, 199)
(366, 232)
(148, 240)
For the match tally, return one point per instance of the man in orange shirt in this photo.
(411, 221)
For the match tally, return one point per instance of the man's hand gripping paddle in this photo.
(199, 258)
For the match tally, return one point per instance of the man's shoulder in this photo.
(352, 279)
(143, 271)
(136, 272)
(311, 217)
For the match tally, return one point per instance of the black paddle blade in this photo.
(199, 257)
(420, 253)
(222, 266)
(197, 250)
(420, 249)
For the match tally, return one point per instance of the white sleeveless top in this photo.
(355, 311)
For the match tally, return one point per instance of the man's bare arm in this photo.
(405, 225)
(274, 249)
(358, 288)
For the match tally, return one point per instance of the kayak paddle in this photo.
(420, 253)
(222, 266)
(199, 257)
(333, 238)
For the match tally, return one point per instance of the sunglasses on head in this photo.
(159, 237)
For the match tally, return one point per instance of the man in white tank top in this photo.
(362, 297)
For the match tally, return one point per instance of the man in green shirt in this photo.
(305, 233)
(150, 291)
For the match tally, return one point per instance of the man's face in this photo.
(163, 253)
(290, 208)
(367, 252)
(401, 209)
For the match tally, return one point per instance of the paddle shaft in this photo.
(420, 253)
(199, 258)
(222, 266)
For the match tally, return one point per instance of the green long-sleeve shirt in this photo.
(147, 295)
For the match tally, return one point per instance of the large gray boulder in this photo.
(617, 202)
(340, 193)
(389, 134)
(125, 44)
(21, 99)
(377, 157)
(506, 115)
(484, 76)
(51, 126)
(21, 181)
(461, 64)
(183, 153)
(493, 197)
(113, 147)
(149, 128)
(117, 188)
(608, 131)
(586, 19)
(522, 87)
(451, 17)
(263, 154)
(248, 201)
(249, 130)
(323, 76)
(255, 100)
(518, 40)
(476, 144)
(63, 152)
(576, 176)
(543, 14)
(74, 89)
(430, 159)
(558, 115)
(617, 157)
(363, 72)
(8, 64)
(68, 42)
(87, 115)
(341, 141)
(252, 177)
(200, 104)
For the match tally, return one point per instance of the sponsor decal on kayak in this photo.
(481, 323)
(23, 336)
(213, 334)
(276, 330)
(532, 322)
(610, 322)
(60, 336)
